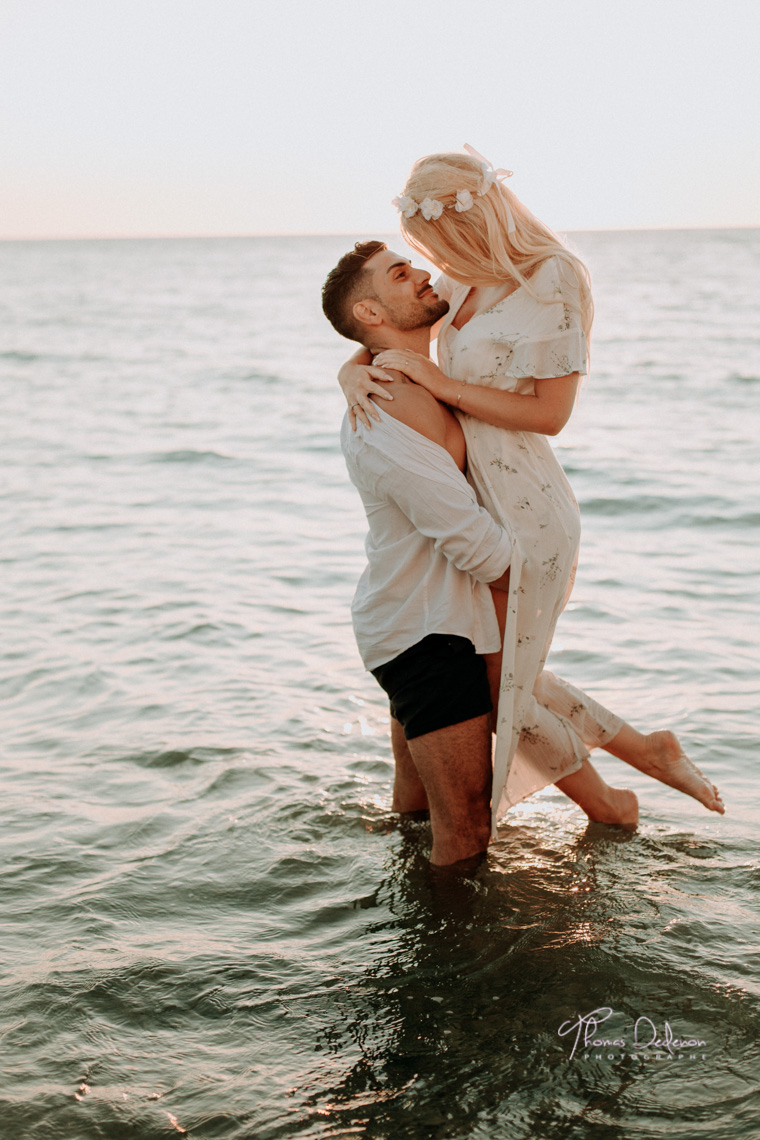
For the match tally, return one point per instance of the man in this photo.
(423, 613)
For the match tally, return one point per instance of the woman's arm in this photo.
(545, 411)
(356, 380)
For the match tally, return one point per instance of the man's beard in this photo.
(419, 316)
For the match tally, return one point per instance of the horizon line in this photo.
(338, 233)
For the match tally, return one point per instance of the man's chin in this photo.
(423, 316)
(437, 310)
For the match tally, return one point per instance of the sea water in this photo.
(212, 923)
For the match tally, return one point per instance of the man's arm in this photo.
(421, 478)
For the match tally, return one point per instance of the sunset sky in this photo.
(135, 117)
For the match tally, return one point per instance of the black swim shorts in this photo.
(440, 681)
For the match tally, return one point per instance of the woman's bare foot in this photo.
(601, 803)
(621, 807)
(663, 759)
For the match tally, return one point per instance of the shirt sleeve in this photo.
(423, 481)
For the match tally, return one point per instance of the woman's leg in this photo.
(600, 802)
(657, 754)
(552, 741)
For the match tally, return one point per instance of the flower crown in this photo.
(431, 209)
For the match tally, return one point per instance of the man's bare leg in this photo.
(454, 766)
(408, 790)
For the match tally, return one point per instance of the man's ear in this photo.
(367, 312)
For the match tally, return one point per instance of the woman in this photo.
(512, 349)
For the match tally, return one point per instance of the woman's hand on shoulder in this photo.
(418, 368)
(359, 382)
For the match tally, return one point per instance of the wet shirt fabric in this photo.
(431, 548)
(545, 725)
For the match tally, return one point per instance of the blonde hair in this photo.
(474, 246)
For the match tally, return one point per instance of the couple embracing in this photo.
(473, 527)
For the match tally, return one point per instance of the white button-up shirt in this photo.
(431, 548)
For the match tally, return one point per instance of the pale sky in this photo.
(135, 117)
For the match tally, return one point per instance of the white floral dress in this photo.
(545, 726)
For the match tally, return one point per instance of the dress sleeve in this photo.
(556, 343)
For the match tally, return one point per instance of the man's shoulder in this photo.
(414, 406)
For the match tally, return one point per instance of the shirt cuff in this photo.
(498, 562)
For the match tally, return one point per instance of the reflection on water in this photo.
(453, 1026)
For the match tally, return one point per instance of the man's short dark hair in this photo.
(346, 284)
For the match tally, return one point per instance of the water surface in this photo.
(212, 920)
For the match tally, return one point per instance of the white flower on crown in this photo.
(431, 208)
(405, 205)
(463, 202)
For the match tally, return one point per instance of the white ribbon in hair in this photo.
(490, 175)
